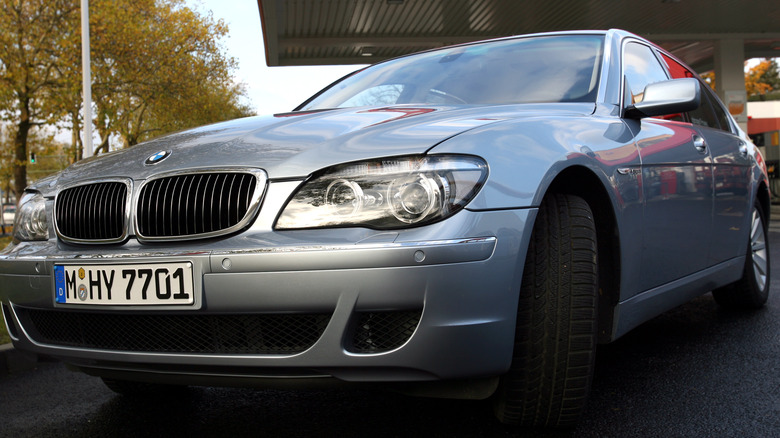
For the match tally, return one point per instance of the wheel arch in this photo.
(763, 198)
(583, 182)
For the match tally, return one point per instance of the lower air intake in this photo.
(166, 333)
(377, 332)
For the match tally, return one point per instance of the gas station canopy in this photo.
(317, 32)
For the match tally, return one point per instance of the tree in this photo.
(158, 68)
(762, 78)
(50, 157)
(32, 41)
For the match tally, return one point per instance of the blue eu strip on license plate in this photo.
(59, 283)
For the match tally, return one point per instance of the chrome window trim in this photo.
(261, 180)
(606, 60)
(126, 220)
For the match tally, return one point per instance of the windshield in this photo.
(562, 68)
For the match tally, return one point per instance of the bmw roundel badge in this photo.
(157, 157)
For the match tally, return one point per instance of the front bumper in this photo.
(449, 306)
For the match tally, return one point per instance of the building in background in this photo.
(764, 130)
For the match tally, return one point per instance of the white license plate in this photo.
(147, 284)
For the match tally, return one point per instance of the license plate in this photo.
(147, 284)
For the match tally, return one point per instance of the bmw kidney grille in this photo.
(182, 206)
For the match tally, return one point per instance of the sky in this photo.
(269, 89)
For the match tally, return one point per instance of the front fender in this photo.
(526, 155)
(592, 156)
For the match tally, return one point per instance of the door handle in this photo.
(743, 149)
(700, 144)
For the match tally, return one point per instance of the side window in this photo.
(704, 115)
(676, 69)
(720, 113)
(640, 68)
(710, 113)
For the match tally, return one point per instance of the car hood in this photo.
(293, 145)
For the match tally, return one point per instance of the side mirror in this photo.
(667, 97)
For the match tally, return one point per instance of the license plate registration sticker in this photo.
(146, 284)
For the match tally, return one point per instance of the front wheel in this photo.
(752, 290)
(555, 339)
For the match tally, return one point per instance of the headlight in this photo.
(30, 222)
(385, 194)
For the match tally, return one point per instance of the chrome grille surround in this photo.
(79, 218)
(175, 216)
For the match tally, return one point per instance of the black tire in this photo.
(143, 390)
(752, 290)
(549, 380)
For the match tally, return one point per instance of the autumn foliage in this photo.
(762, 78)
(759, 79)
(157, 67)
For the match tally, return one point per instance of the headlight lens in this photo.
(30, 222)
(385, 194)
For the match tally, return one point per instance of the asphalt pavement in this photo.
(695, 371)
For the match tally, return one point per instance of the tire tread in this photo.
(555, 338)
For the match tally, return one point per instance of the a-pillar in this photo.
(730, 77)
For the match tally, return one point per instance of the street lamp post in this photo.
(86, 77)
